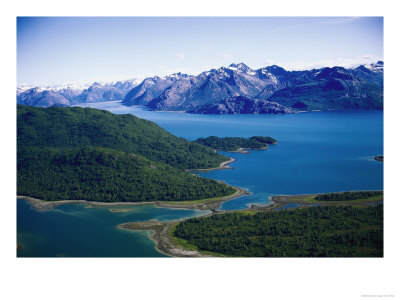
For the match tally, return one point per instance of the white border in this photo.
(198, 278)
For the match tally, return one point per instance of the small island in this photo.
(237, 144)
(379, 158)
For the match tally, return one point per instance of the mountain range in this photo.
(71, 95)
(236, 89)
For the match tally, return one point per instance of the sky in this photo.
(76, 50)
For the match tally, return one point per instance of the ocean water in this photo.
(316, 152)
(76, 230)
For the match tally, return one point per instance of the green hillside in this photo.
(71, 127)
(343, 231)
(83, 153)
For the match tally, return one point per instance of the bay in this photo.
(76, 230)
(317, 152)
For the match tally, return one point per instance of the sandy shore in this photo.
(206, 204)
(161, 237)
(44, 205)
(161, 232)
(223, 165)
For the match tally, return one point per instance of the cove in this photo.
(75, 230)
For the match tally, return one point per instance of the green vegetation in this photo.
(82, 153)
(101, 174)
(72, 127)
(346, 196)
(235, 143)
(326, 231)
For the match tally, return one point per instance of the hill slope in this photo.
(341, 231)
(83, 153)
(66, 127)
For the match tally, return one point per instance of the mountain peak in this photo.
(239, 67)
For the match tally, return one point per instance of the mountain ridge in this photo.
(270, 89)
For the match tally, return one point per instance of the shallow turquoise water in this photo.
(78, 231)
(316, 152)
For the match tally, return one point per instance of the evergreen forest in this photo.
(235, 143)
(87, 154)
(322, 231)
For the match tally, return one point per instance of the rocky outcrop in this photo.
(243, 105)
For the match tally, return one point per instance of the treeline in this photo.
(100, 174)
(84, 153)
(345, 196)
(71, 127)
(234, 143)
(343, 231)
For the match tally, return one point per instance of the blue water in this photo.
(75, 230)
(316, 152)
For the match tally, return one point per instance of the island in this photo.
(379, 158)
(237, 144)
(339, 227)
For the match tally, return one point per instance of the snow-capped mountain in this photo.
(325, 88)
(233, 89)
(72, 94)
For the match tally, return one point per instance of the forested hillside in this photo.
(342, 231)
(71, 127)
(83, 153)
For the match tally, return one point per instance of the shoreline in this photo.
(201, 204)
(161, 231)
(308, 200)
(222, 166)
(45, 205)
(160, 236)
(205, 204)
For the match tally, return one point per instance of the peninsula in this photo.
(237, 144)
(82, 153)
(350, 227)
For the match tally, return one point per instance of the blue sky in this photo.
(53, 51)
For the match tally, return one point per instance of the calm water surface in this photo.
(81, 231)
(316, 152)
